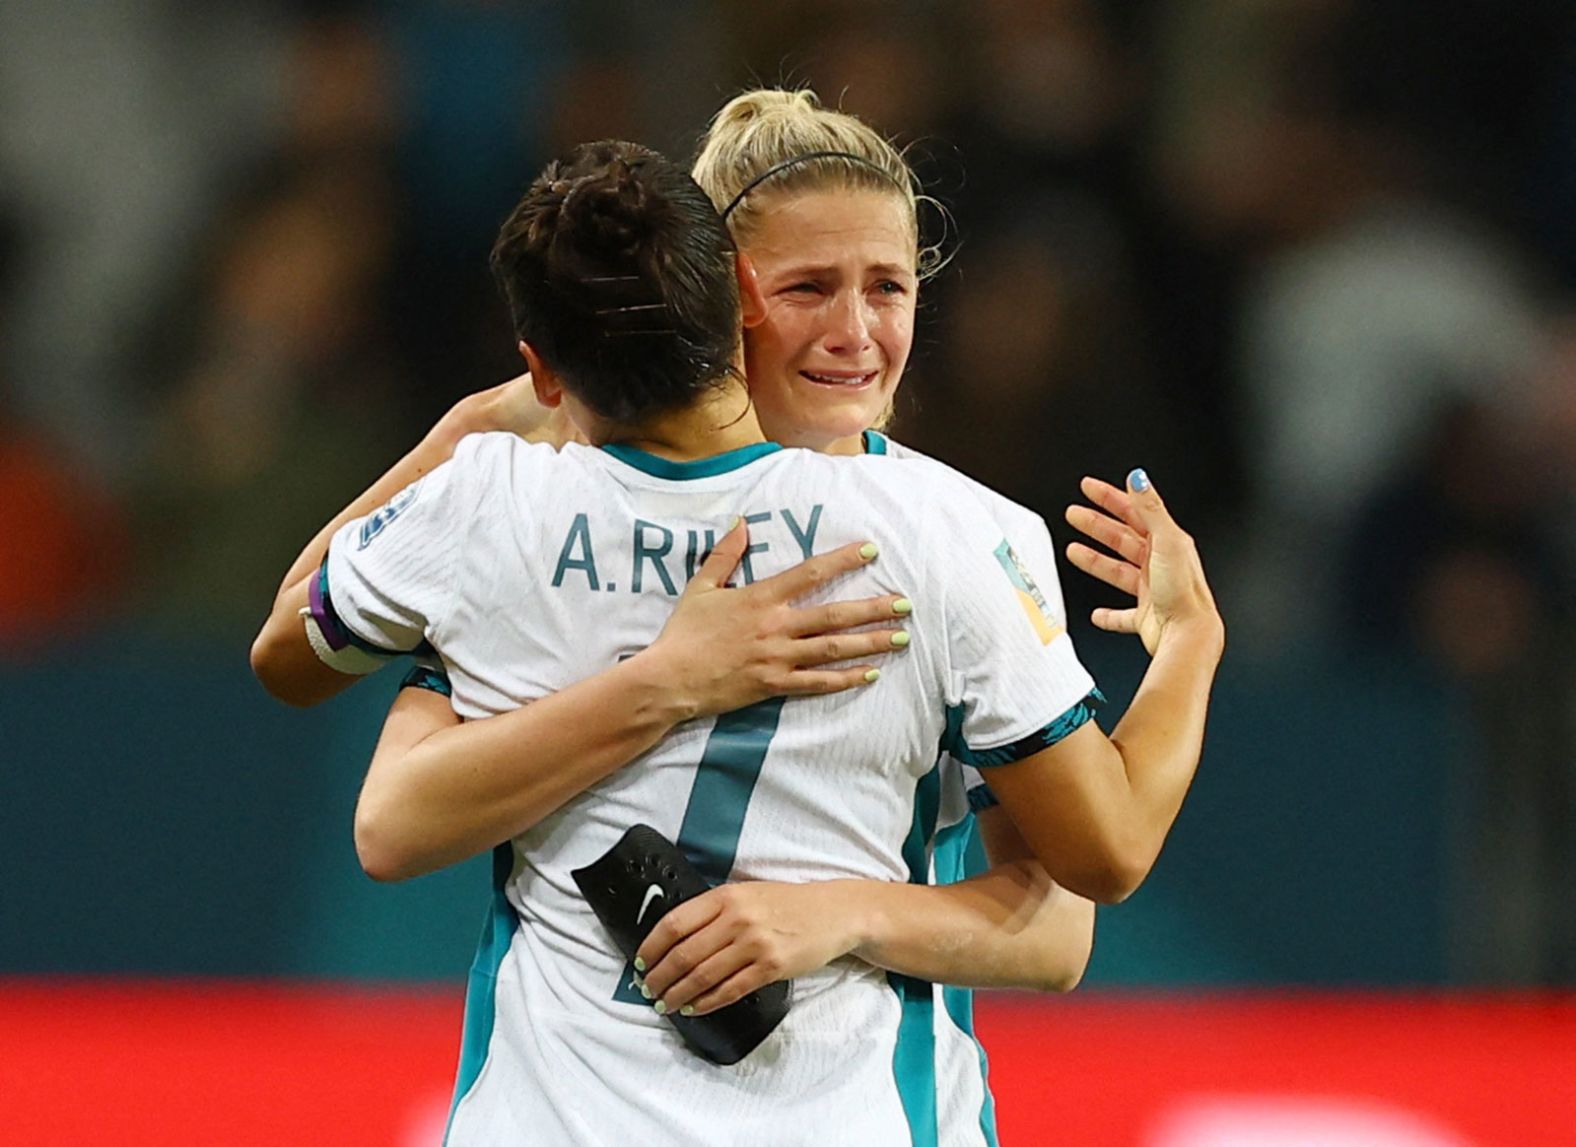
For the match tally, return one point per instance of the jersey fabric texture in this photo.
(966, 1112)
(528, 569)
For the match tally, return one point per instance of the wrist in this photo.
(659, 687)
(866, 920)
(1201, 633)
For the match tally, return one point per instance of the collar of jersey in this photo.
(875, 442)
(699, 468)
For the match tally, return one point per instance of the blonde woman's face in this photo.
(837, 273)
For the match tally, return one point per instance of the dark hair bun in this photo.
(611, 215)
(620, 273)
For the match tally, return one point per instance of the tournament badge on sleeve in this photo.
(1045, 623)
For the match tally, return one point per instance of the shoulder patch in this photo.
(378, 519)
(1046, 624)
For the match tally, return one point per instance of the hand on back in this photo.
(726, 648)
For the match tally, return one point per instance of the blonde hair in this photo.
(773, 128)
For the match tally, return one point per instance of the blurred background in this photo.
(1311, 262)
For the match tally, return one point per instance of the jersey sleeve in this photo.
(1019, 685)
(389, 577)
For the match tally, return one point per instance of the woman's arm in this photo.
(509, 406)
(437, 795)
(1009, 927)
(1096, 810)
(280, 657)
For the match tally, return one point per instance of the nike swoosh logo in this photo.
(652, 892)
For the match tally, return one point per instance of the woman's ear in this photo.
(549, 391)
(752, 303)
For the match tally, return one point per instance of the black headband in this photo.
(794, 161)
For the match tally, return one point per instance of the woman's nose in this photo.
(848, 324)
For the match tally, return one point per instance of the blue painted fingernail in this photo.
(1138, 480)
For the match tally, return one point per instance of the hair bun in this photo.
(613, 214)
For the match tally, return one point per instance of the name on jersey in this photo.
(668, 556)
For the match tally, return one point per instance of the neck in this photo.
(724, 421)
(854, 445)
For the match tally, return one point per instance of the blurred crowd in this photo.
(1311, 262)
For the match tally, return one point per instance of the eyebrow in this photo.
(892, 270)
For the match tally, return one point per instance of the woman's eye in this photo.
(806, 288)
(891, 287)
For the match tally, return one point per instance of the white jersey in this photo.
(529, 569)
(966, 1114)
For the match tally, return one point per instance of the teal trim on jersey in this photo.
(719, 798)
(960, 854)
(723, 786)
(951, 852)
(426, 677)
(482, 988)
(914, 1058)
(981, 798)
(959, 1003)
(1080, 714)
(875, 442)
(699, 468)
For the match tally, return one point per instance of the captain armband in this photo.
(335, 645)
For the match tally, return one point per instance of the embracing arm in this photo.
(281, 657)
(1096, 810)
(1009, 927)
(439, 792)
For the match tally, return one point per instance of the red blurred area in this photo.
(243, 1064)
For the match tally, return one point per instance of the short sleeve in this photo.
(1020, 686)
(389, 575)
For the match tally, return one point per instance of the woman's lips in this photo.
(840, 378)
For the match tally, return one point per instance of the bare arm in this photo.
(280, 656)
(1096, 810)
(434, 796)
(1009, 927)
(508, 406)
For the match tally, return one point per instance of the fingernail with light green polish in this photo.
(640, 965)
(873, 675)
(900, 639)
(645, 991)
(660, 1008)
(687, 1010)
(868, 551)
(902, 605)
